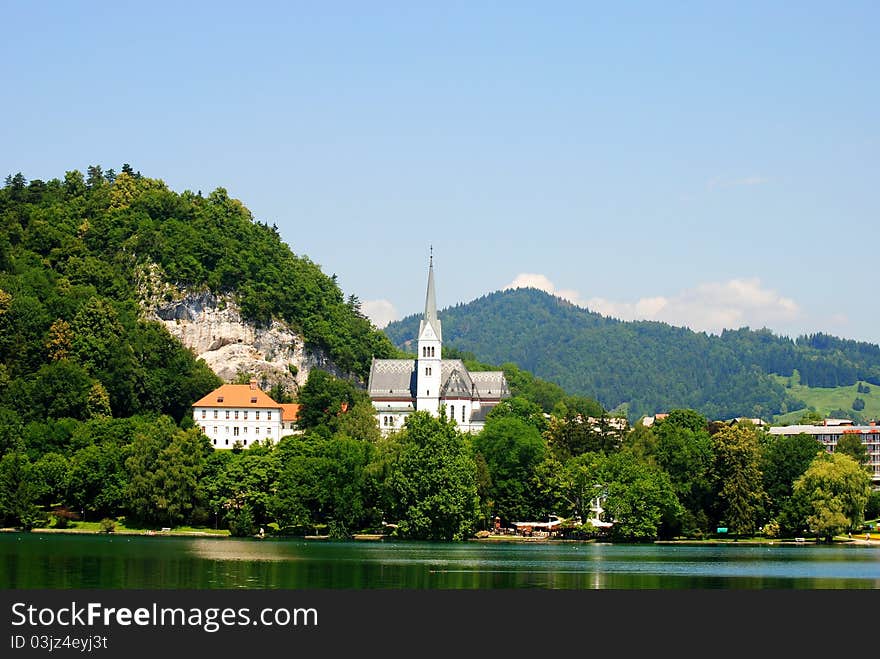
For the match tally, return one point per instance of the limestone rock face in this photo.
(212, 327)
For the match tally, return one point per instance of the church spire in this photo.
(430, 299)
(430, 318)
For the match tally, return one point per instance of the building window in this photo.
(227, 442)
(257, 430)
(258, 414)
(227, 430)
(462, 413)
(215, 442)
(245, 442)
(215, 414)
(245, 414)
(227, 414)
(268, 416)
(452, 411)
(204, 412)
(204, 430)
(245, 430)
(427, 370)
(235, 431)
(253, 399)
(236, 414)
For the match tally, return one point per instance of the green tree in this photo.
(19, 492)
(737, 472)
(360, 422)
(684, 451)
(851, 444)
(512, 448)
(835, 490)
(784, 458)
(432, 485)
(640, 499)
(324, 398)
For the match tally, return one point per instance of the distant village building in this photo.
(832, 430)
(243, 413)
(398, 387)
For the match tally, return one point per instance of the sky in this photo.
(710, 165)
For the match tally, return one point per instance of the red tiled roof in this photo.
(289, 411)
(237, 395)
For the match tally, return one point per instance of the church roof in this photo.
(396, 378)
(392, 378)
(490, 384)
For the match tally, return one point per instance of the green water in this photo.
(35, 560)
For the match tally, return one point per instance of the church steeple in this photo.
(429, 363)
(430, 316)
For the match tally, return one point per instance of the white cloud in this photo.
(709, 307)
(542, 283)
(381, 312)
(721, 182)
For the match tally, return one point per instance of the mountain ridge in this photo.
(649, 366)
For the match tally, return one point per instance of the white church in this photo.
(399, 387)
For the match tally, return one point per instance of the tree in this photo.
(19, 492)
(737, 473)
(512, 448)
(684, 452)
(360, 423)
(851, 444)
(323, 398)
(835, 490)
(639, 498)
(784, 458)
(432, 488)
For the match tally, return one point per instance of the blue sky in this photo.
(702, 164)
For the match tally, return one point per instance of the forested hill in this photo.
(74, 252)
(648, 366)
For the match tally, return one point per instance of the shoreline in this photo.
(513, 539)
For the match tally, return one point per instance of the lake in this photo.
(41, 560)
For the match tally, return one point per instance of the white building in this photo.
(398, 387)
(242, 413)
(828, 436)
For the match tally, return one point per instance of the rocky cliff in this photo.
(212, 327)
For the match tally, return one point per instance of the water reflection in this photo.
(89, 561)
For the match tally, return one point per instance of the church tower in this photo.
(429, 358)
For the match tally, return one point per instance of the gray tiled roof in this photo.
(490, 384)
(392, 378)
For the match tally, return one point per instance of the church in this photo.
(399, 387)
